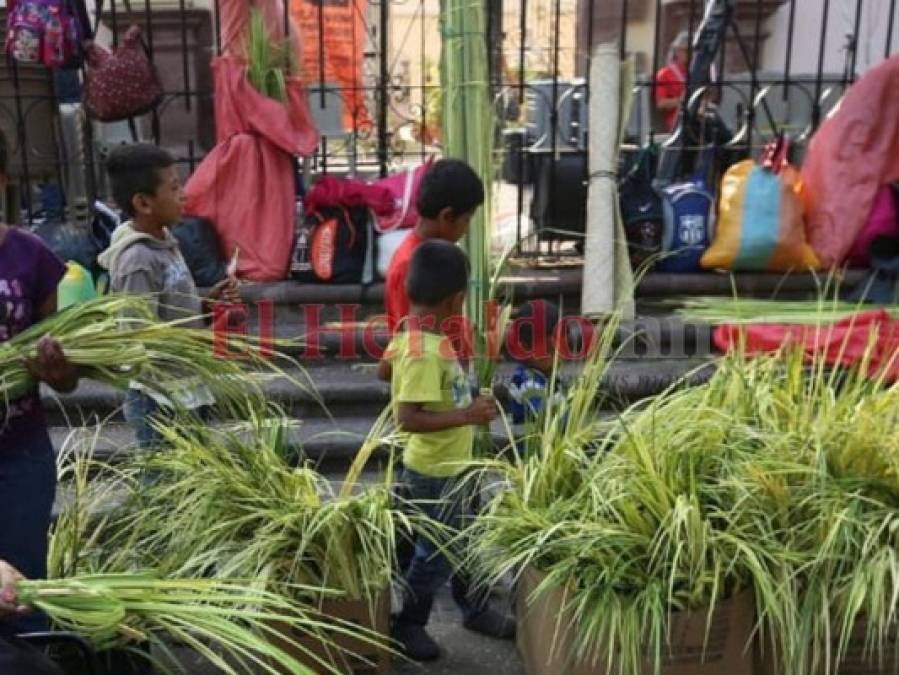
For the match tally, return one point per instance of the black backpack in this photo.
(199, 246)
(641, 208)
(333, 246)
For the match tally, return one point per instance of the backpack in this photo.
(641, 208)
(689, 222)
(334, 246)
(199, 246)
(48, 32)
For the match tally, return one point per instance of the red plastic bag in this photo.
(403, 188)
(246, 185)
(854, 152)
(330, 191)
(843, 343)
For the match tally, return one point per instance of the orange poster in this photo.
(342, 23)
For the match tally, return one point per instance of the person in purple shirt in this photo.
(29, 275)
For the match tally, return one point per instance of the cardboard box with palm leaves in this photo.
(699, 645)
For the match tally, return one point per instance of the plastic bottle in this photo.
(301, 261)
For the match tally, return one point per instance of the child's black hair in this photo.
(452, 184)
(535, 323)
(133, 170)
(438, 270)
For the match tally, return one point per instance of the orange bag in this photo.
(760, 219)
(246, 185)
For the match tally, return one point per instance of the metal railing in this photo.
(782, 67)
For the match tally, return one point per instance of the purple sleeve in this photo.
(49, 271)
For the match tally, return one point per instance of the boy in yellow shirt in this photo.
(432, 403)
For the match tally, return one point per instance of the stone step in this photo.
(330, 445)
(552, 283)
(355, 399)
(661, 334)
(339, 390)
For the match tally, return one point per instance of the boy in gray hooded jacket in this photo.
(143, 258)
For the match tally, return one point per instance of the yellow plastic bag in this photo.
(760, 220)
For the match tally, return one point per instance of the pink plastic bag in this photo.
(854, 152)
(246, 185)
(883, 221)
(404, 187)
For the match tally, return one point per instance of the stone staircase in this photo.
(659, 348)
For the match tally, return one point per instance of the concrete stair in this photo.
(656, 350)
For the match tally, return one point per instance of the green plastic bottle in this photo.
(76, 286)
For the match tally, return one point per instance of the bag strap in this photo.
(79, 9)
(99, 14)
(352, 225)
(704, 166)
(776, 154)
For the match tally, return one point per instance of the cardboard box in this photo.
(350, 656)
(856, 661)
(545, 637)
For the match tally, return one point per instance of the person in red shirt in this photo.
(671, 80)
(449, 195)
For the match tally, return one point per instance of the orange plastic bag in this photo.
(246, 185)
(760, 220)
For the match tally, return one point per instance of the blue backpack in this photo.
(688, 210)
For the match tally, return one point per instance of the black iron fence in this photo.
(781, 65)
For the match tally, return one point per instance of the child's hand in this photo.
(52, 366)
(482, 410)
(9, 577)
(226, 291)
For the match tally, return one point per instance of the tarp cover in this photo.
(851, 155)
(872, 335)
(246, 185)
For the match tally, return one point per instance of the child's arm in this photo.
(413, 418)
(385, 370)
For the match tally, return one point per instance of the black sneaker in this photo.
(492, 624)
(414, 643)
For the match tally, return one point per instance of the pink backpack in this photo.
(48, 32)
(404, 187)
(883, 221)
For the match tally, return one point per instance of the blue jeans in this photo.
(141, 411)
(448, 501)
(27, 490)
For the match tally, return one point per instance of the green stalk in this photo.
(468, 134)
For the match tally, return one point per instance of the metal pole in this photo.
(788, 63)
(853, 55)
(889, 43)
(819, 78)
(383, 135)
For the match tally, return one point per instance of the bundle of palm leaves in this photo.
(251, 515)
(773, 476)
(270, 61)
(118, 340)
(231, 624)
